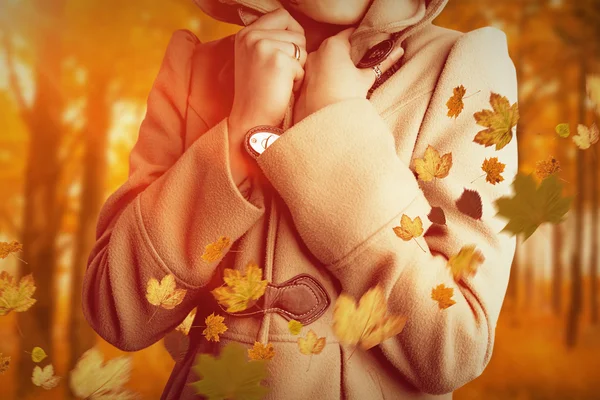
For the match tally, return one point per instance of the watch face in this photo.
(260, 140)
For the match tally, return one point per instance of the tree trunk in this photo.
(82, 337)
(557, 229)
(574, 314)
(594, 240)
(42, 211)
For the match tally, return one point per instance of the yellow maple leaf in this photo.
(38, 354)
(185, 325)
(214, 327)
(465, 262)
(261, 352)
(545, 168)
(4, 363)
(241, 291)
(7, 248)
(45, 377)
(214, 251)
(443, 295)
(499, 122)
(295, 327)
(164, 294)
(13, 296)
(432, 165)
(493, 170)
(409, 229)
(311, 344)
(368, 324)
(455, 103)
(585, 136)
(93, 379)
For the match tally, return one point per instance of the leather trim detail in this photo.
(301, 298)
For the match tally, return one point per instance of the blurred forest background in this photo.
(74, 77)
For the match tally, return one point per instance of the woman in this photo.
(316, 208)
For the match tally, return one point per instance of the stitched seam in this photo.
(281, 338)
(292, 314)
(393, 108)
(358, 250)
(142, 230)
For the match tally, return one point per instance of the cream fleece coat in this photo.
(335, 184)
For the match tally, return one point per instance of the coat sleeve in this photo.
(160, 220)
(339, 172)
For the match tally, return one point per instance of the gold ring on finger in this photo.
(378, 72)
(296, 51)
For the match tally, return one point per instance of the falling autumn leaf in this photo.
(437, 216)
(409, 229)
(469, 203)
(4, 363)
(214, 327)
(493, 170)
(295, 327)
(368, 324)
(432, 165)
(499, 121)
(563, 130)
(231, 375)
(465, 262)
(311, 344)
(164, 294)
(13, 296)
(532, 205)
(38, 354)
(261, 352)
(545, 168)
(241, 291)
(92, 379)
(45, 377)
(585, 136)
(7, 248)
(443, 295)
(214, 251)
(455, 103)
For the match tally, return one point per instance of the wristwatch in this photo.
(259, 138)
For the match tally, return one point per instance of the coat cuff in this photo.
(219, 208)
(338, 172)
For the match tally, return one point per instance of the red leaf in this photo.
(470, 204)
(437, 216)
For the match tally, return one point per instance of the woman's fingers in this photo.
(285, 36)
(278, 19)
(280, 39)
(289, 48)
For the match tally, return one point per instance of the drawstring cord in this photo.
(263, 333)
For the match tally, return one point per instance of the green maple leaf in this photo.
(499, 122)
(532, 205)
(231, 376)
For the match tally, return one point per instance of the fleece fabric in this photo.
(331, 190)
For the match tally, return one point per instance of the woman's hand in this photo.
(266, 71)
(330, 75)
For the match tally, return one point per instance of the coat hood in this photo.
(383, 18)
